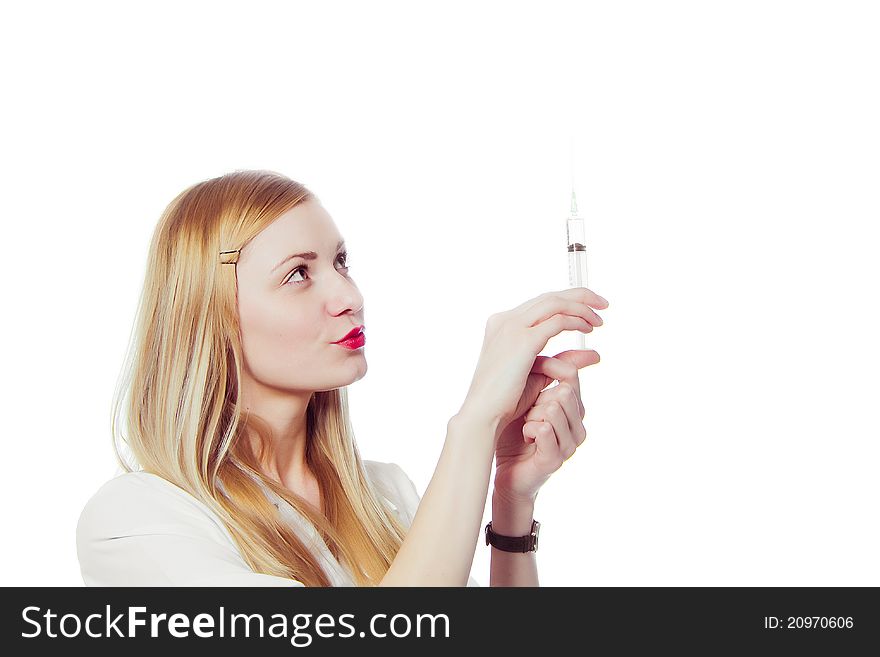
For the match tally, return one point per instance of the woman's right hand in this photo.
(504, 386)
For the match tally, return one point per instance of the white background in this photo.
(726, 162)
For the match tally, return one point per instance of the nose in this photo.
(347, 295)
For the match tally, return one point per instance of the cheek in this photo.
(270, 336)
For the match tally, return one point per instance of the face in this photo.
(292, 313)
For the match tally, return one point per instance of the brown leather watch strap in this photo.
(528, 543)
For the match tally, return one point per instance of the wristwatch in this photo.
(528, 543)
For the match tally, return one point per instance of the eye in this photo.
(305, 268)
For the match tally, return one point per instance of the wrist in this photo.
(512, 515)
(471, 439)
(472, 419)
(503, 496)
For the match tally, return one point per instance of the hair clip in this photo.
(229, 257)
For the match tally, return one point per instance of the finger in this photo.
(557, 305)
(579, 294)
(567, 400)
(562, 420)
(538, 335)
(561, 394)
(564, 368)
(548, 457)
(530, 431)
(538, 380)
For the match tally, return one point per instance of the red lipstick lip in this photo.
(353, 332)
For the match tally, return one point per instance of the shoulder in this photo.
(386, 473)
(144, 503)
(139, 529)
(394, 484)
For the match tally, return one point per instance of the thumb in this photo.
(579, 357)
(554, 369)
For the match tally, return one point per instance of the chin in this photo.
(360, 374)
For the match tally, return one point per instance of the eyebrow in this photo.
(308, 255)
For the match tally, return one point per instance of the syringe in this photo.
(577, 253)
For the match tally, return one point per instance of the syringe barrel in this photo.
(575, 229)
(577, 253)
(577, 267)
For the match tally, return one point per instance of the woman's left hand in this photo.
(535, 445)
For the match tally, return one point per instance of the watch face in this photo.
(537, 531)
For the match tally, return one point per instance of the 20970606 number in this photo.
(808, 622)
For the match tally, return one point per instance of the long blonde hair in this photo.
(181, 391)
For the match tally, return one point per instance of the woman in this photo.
(236, 414)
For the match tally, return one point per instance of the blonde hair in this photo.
(181, 391)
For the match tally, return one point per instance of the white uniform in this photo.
(141, 530)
